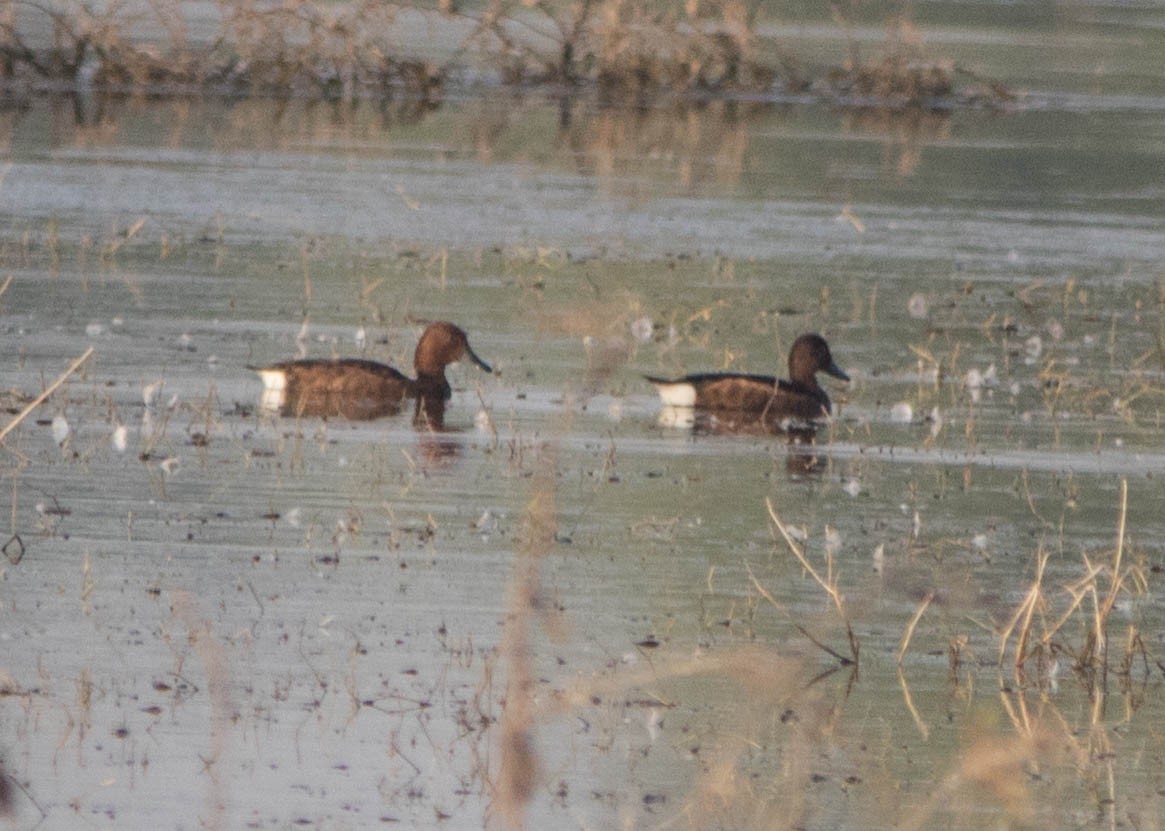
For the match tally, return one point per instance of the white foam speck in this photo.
(61, 429)
(902, 413)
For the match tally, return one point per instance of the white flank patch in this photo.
(677, 395)
(274, 388)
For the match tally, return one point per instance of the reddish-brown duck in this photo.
(800, 398)
(356, 388)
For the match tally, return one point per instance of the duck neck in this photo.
(432, 385)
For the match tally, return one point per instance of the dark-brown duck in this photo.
(800, 398)
(356, 388)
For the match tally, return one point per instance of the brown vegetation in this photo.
(622, 48)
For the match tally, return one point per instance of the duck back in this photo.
(352, 388)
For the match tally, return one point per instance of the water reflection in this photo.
(438, 447)
(803, 456)
(707, 143)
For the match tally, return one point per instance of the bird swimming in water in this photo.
(361, 389)
(799, 398)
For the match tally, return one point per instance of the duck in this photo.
(798, 399)
(360, 389)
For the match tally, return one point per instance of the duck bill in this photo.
(835, 371)
(474, 357)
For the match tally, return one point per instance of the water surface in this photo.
(239, 621)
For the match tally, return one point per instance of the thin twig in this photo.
(777, 605)
(829, 582)
(1117, 579)
(41, 398)
(922, 726)
(902, 647)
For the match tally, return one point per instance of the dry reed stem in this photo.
(767, 595)
(36, 402)
(1022, 618)
(909, 633)
(1093, 653)
(1117, 578)
(828, 583)
(922, 726)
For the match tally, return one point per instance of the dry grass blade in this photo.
(1117, 581)
(767, 595)
(40, 399)
(1020, 622)
(908, 699)
(1091, 656)
(828, 583)
(906, 637)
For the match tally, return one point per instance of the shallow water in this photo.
(239, 621)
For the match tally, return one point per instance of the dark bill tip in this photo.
(473, 357)
(835, 371)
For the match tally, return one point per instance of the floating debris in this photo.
(151, 392)
(61, 429)
(918, 306)
(120, 438)
(832, 541)
(1032, 348)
